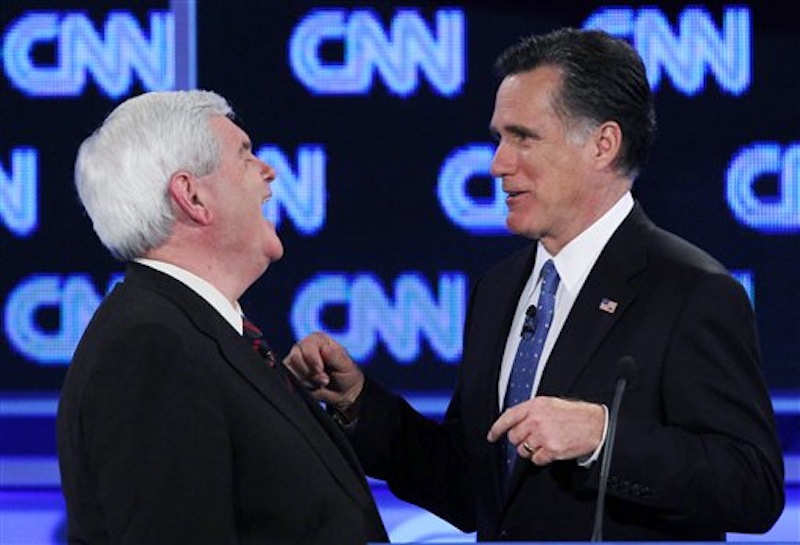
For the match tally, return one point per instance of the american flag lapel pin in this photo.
(607, 305)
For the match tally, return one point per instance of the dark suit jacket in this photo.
(696, 448)
(171, 429)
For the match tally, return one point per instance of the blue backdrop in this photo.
(375, 117)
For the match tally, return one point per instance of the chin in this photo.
(515, 227)
(522, 230)
(274, 251)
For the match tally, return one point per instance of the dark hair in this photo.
(603, 79)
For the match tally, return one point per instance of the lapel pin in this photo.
(607, 305)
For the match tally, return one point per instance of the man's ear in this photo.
(608, 142)
(184, 190)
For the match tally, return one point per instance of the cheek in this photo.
(534, 170)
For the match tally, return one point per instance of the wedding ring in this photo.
(527, 447)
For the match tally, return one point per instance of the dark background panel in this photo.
(384, 153)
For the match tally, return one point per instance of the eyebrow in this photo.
(519, 130)
(516, 130)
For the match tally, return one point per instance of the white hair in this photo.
(123, 169)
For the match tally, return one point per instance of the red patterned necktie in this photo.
(252, 333)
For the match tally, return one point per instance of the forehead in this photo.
(526, 94)
(228, 132)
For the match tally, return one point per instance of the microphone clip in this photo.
(530, 322)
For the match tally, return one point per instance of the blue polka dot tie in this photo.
(534, 333)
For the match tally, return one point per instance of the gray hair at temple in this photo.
(123, 169)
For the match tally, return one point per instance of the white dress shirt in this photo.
(232, 313)
(573, 263)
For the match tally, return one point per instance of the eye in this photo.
(520, 136)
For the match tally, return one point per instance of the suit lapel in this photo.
(498, 317)
(602, 302)
(297, 407)
(505, 285)
(304, 413)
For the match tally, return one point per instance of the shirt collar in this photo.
(576, 259)
(231, 312)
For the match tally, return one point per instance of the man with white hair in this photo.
(171, 428)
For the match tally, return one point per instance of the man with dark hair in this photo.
(516, 456)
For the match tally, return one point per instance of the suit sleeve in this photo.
(421, 460)
(159, 440)
(711, 453)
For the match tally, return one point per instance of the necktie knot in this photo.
(550, 278)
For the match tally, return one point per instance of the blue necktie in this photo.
(534, 333)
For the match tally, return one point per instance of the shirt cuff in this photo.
(591, 459)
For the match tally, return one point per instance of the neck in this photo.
(555, 242)
(209, 269)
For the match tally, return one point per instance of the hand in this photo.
(323, 366)
(546, 429)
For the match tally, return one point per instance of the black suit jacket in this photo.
(171, 429)
(696, 450)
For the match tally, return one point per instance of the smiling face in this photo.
(237, 189)
(549, 174)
